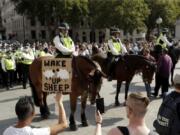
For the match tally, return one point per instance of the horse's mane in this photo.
(88, 60)
(101, 55)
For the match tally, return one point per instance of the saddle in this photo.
(112, 62)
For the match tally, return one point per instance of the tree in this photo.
(168, 10)
(71, 11)
(125, 14)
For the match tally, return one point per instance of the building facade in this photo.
(18, 27)
(177, 30)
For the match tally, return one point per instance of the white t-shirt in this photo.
(26, 131)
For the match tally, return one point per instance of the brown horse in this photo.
(125, 68)
(86, 81)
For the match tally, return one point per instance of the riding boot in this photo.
(110, 67)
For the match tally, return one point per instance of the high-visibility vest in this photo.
(42, 53)
(117, 46)
(27, 61)
(68, 42)
(18, 55)
(163, 45)
(9, 64)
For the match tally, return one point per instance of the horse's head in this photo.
(148, 71)
(95, 82)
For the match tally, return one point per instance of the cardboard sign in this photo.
(56, 75)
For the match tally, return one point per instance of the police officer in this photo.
(162, 39)
(116, 48)
(18, 59)
(27, 59)
(63, 42)
(8, 66)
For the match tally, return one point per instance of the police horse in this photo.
(86, 81)
(124, 69)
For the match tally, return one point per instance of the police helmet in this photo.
(165, 30)
(63, 26)
(114, 30)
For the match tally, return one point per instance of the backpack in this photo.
(168, 122)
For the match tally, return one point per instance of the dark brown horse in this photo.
(125, 68)
(86, 81)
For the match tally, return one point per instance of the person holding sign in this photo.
(63, 42)
(25, 112)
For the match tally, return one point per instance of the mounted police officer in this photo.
(116, 48)
(162, 40)
(63, 42)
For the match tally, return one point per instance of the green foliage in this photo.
(61, 10)
(168, 10)
(125, 14)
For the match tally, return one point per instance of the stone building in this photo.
(18, 27)
(177, 30)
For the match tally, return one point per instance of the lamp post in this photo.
(24, 32)
(158, 22)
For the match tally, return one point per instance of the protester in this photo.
(25, 112)
(168, 118)
(164, 66)
(136, 108)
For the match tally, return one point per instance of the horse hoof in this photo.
(124, 104)
(44, 116)
(117, 103)
(73, 127)
(85, 124)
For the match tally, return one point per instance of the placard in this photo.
(56, 75)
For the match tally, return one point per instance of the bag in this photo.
(124, 130)
(168, 122)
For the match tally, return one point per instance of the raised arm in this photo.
(62, 124)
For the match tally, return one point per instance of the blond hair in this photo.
(138, 104)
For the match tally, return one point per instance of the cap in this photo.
(177, 79)
(63, 26)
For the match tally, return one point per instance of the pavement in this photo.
(113, 117)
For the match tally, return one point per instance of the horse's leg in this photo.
(172, 74)
(73, 100)
(83, 107)
(45, 104)
(117, 93)
(126, 90)
(44, 108)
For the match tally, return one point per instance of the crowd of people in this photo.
(16, 59)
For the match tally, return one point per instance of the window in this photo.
(92, 36)
(33, 34)
(33, 22)
(42, 22)
(82, 23)
(43, 34)
(84, 37)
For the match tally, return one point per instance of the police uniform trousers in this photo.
(162, 82)
(2, 77)
(9, 77)
(18, 72)
(25, 74)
